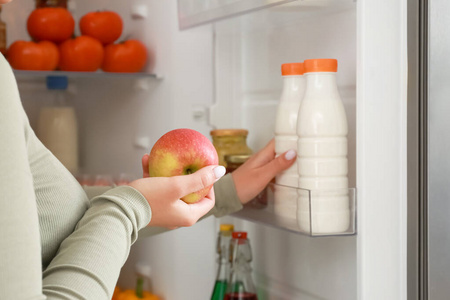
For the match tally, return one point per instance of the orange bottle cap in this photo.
(320, 65)
(292, 69)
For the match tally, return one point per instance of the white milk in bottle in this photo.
(322, 152)
(285, 199)
(57, 125)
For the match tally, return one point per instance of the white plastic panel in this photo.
(382, 152)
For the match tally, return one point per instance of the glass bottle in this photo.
(2, 35)
(51, 3)
(240, 284)
(223, 271)
(230, 141)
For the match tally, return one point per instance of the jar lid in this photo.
(229, 132)
(236, 158)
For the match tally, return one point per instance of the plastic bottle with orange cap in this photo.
(322, 152)
(285, 199)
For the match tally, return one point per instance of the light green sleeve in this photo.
(20, 251)
(88, 262)
(47, 222)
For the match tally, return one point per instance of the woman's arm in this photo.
(20, 251)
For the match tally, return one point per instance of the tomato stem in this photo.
(140, 287)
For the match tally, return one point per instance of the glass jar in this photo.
(234, 161)
(230, 141)
(51, 3)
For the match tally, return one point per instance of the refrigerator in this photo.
(218, 66)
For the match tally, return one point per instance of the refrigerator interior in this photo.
(220, 75)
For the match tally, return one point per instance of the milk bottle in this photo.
(57, 125)
(322, 152)
(285, 199)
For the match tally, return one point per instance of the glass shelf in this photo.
(192, 13)
(309, 212)
(98, 74)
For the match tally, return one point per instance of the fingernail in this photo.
(290, 154)
(219, 171)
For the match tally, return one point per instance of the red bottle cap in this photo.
(239, 235)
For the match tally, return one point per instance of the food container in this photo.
(230, 141)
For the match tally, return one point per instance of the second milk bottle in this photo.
(285, 199)
(322, 152)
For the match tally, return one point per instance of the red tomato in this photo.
(105, 26)
(54, 24)
(83, 54)
(127, 57)
(42, 56)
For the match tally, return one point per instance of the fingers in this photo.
(145, 170)
(278, 164)
(199, 209)
(205, 177)
(266, 154)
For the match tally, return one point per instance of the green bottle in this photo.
(223, 242)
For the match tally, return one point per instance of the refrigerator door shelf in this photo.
(192, 13)
(314, 213)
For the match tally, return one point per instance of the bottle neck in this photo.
(293, 86)
(242, 253)
(321, 84)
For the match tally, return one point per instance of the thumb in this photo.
(199, 180)
(280, 163)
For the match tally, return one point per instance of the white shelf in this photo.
(98, 74)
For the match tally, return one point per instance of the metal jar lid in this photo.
(236, 158)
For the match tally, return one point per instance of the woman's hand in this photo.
(163, 195)
(254, 175)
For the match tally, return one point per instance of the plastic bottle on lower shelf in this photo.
(322, 152)
(285, 199)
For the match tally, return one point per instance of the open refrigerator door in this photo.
(226, 74)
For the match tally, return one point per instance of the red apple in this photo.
(182, 152)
